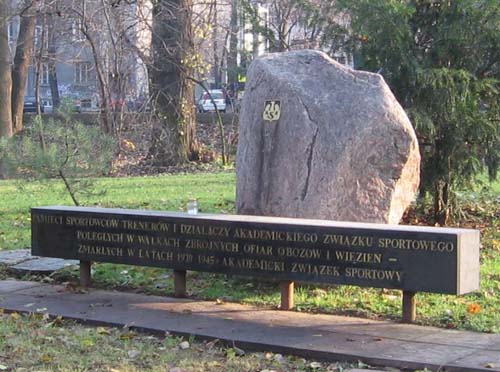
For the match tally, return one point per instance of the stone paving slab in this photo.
(22, 260)
(15, 257)
(44, 265)
(328, 337)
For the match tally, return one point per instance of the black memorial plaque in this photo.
(417, 259)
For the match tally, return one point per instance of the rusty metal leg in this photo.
(287, 289)
(180, 283)
(85, 275)
(409, 307)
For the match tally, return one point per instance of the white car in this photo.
(205, 103)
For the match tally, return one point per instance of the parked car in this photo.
(47, 106)
(205, 103)
(30, 105)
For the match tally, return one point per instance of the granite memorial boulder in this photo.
(321, 140)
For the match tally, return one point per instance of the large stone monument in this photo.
(320, 140)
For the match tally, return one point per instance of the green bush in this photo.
(59, 148)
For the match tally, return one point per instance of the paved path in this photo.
(312, 335)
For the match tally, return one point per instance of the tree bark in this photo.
(22, 60)
(441, 203)
(5, 74)
(232, 67)
(215, 44)
(106, 123)
(174, 139)
(51, 62)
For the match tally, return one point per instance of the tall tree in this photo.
(22, 61)
(5, 73)
(52, 55)
(171, 73)
(232, 56)
(442, 60)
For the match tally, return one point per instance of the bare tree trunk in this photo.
(51, 62)
(216, 66)
(100, 71)
(39, 67)
(174, 140)
(5, 74)
(442, 207)
(232, 68)
(22, 60)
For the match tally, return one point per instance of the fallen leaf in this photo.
(238, 351)
(15, 316)
(184, 345)
(211, 344)
(56, 322)
(176, 369)
(490, 365)
(3, 368)
(46, 358)
(279, 358)
(128, 325)
(335, 368)
(103, 331)
(362, 365)
(127, 336)
(132, 354)
(473, 308)
(315, 365)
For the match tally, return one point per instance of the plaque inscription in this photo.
(408, 258)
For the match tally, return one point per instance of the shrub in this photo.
(60, 148)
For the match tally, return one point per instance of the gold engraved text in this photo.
(155, 255)
(346, 256)
(299, 252)
(91, 222)
(99, 236)
(372, 274)
(204, 230)
(348, 241)
(145, 226)
(318, 270)
(158, 241)
(284, 236)
(263, 250)
(48, 219)
(100, 250)
(416, 245)
(211, 245)
(253, 264)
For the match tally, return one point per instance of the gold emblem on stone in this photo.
(272, 110)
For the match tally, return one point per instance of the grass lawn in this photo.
(215, 193)
(36, 343)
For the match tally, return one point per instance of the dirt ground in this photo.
(133, 159)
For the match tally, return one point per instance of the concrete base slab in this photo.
(15, 257)
(44, 264)
(327, 337)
